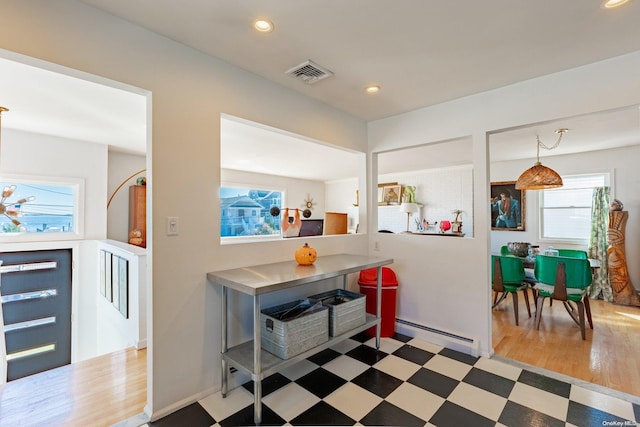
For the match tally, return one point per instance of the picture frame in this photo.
(509, 216)
(123, 292)
(392, 194)
(381, 186)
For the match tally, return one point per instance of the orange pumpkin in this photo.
(306, 255)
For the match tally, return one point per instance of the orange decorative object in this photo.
(306, 255)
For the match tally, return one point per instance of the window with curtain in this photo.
(565, 213)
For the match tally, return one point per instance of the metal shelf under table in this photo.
(241, 356)
(261, 279)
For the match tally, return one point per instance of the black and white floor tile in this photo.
(409, 382)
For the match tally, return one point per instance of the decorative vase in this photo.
(520, 249)
(445, 226)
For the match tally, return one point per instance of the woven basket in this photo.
(538, 177)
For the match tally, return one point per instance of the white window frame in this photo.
(78, 209)
(609, 179)
(224, 240)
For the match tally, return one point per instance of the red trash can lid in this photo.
(370, 277)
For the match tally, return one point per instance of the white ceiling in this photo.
(420, 52)
(55, 103)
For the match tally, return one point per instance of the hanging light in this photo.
(9, 209)
(540, 177)
(5, 209)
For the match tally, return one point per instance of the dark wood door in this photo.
(35, 291)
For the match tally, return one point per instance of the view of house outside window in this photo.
(566, 211)
(246, 212)
(52, 210)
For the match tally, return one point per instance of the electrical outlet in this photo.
(376, 245)
(172, 226)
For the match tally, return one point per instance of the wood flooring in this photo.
(610, 356)
(96, 392)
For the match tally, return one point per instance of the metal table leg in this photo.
(225, 368)
(257, 366)
(379, 306)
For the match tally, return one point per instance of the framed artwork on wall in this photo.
(392, 194)
(507, 207)
(381, 191)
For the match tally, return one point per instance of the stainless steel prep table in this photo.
(261, 279)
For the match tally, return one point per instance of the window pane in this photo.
(566, 211)
(51, 211)
(584, 181)
(245, 212)
(562, 197)
(570, 223)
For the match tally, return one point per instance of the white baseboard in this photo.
(448, 339)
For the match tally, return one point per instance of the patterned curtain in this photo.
(600, 287)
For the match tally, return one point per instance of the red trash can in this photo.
(368, 282)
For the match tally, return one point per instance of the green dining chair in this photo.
(565, 279)
(507, 277)
(572, 253)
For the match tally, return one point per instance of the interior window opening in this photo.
(261, 164)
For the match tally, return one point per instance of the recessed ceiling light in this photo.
(263, 25)
(610, 4)
(372, 89)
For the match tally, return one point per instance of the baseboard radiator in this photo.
(437, 336)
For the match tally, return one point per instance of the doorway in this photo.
(102, 102)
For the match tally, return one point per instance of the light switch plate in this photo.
(172, 226)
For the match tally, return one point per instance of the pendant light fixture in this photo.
(540, 177)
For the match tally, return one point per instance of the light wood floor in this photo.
(610, 356)
(96, 392)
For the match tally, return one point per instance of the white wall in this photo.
(445, 283)
(27, 153)
(189, 92)
(341, 197)
(121, 166)
(44, 155)
(115, 331)
(439, 192)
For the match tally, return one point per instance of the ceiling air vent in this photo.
(309, 72)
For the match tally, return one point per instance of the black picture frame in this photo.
(514, 220)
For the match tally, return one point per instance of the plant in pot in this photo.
(456, 225)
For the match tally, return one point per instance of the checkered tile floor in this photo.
(409, 382)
